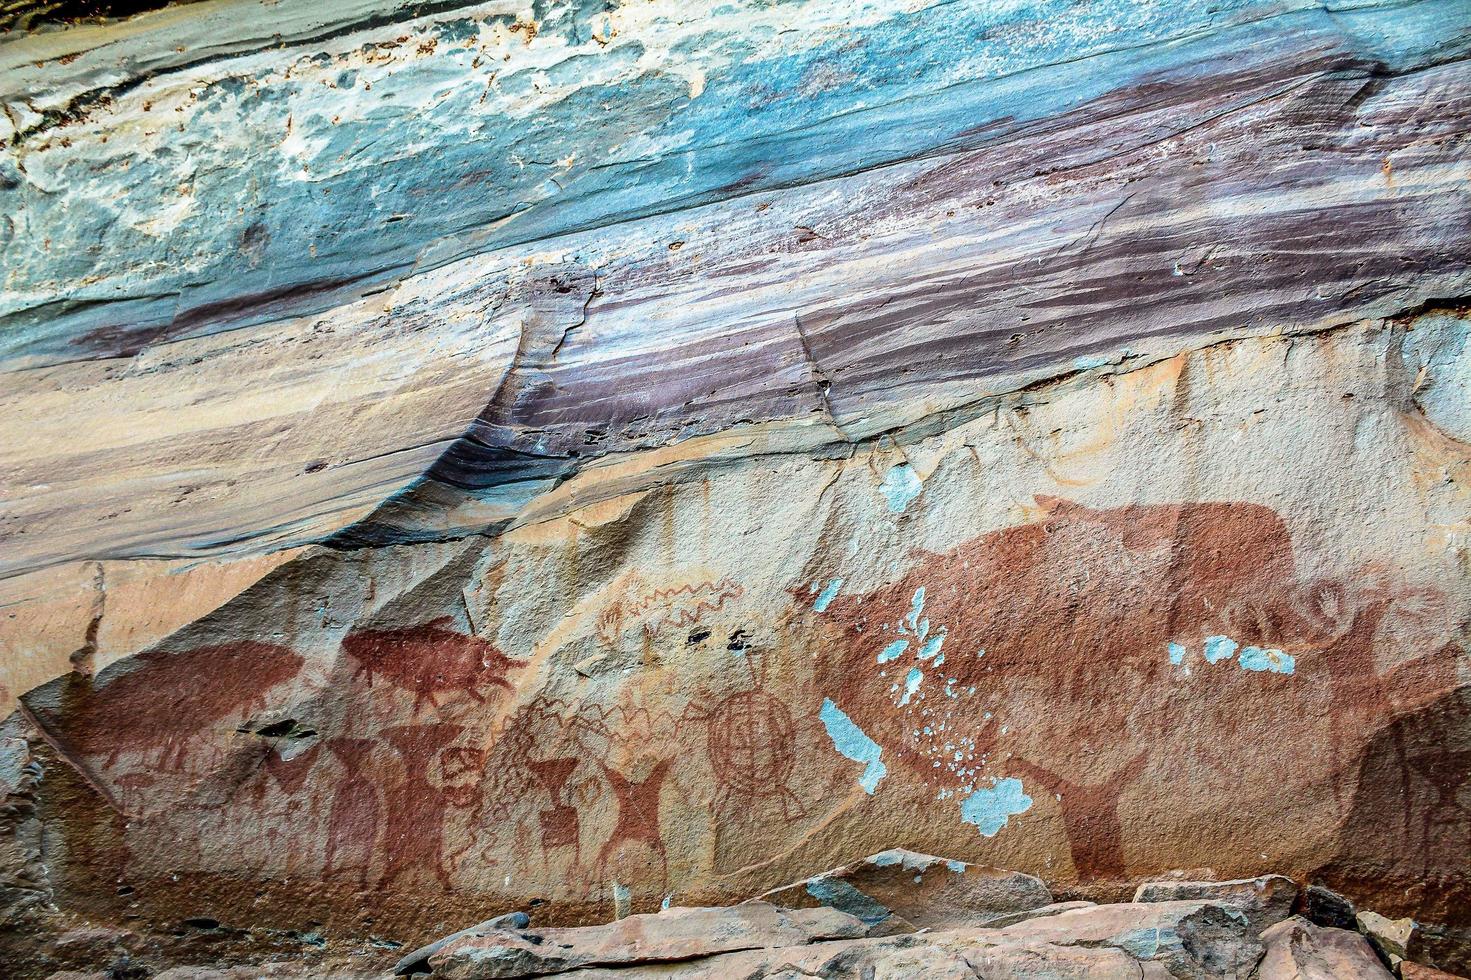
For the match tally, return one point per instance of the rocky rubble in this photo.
(912, 915)
(587, 457)
(977, 922)
(902, 891)
(1263, 900)
(901, 914)
(1406, 941)
(1295, 948)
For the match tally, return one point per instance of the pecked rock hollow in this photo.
(578, 457)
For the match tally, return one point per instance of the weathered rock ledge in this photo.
(586, 457)
(899, 914)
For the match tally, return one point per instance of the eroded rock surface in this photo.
(1180, 939)
(1299, 950)
(1264, 900)
(900, 891)
(579, 458)
(670, 935)
(1325, 907)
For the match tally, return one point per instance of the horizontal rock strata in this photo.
(587, 458)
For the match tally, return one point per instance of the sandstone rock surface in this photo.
(1400, 941)
(1392, 938)
(1325, 907)
(417, 960)
(900, 891)
(1418, 971)
(1265, 900)
(576, 458)
(670, 935)
(1299, 950)
(1181, 939)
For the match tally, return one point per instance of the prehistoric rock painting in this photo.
(637, 804)
(431, 661)
(1408, 828)
(663, 610)
(559, 826)
(1090, 814)
(691, 728)
(1040, 678)
(750, 738)
(355, 816)
(587, 784)
(507, 490)
(413, 828)
(284, 800)
(121, 715)
(1093, 648)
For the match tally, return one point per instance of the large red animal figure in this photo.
(430, 660)
(158, 704)
(1093, 649)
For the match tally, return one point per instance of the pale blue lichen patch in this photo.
(827, 595)
(900, 486)
(1218, 648)
(911, 619)
(1273, 661)
(1253, 658)
(911, 684)
(991, 809)
(622, 901)
(957, 866)
(852, 743)
(914, 625)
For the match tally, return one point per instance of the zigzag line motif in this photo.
(587, 713)
(712, 596)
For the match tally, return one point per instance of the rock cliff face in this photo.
(581, 456)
